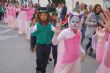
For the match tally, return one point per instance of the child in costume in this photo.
(103, 44)
(30, 12)
(6, 13)
(102, 51)
(21, 21)
(1, 11)
(33, 38)
(11, 16)
(70, 51)
(43, 32)
(54, 22)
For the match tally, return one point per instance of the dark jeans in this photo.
(42, 53)
(33, 42)
(54, 53)
(89, 45)
(83, 30)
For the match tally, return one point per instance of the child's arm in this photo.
(33, 29)
(100, 45)
(107, 55)
(54, 39)
(57, 38)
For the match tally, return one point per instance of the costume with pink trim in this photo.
(103, 53)
(69, 47)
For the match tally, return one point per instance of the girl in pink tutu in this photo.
(6, 12)
(21, 21)
(103, 45)
(70, 51)
(30, 13)
(11, 15)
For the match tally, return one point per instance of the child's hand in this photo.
(100, 32)
(57, 29)
(106, 18)
(34, 21)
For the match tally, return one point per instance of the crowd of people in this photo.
(53, 28)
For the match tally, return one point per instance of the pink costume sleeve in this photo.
(58, 37)
(107, 55)
(100, 50)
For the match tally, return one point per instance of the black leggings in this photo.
(89, 45)
(33, 42)
(42, 53)
(54, 53)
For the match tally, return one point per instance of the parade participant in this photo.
(103, 45)
(43, 32)
(11, 16)
(30, 12)
(17, 9)
(6, 13)
(1, 11)
(33, 38)
(106, 18)
(102, 49)
(55, 23)
(21, 21)
(69, 47)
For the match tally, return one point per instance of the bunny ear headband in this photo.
(75, 14)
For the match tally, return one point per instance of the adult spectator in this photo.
(81, 8)
(83, 20)
(64, 11)
(92, 22)
(59, 9)
(90, 8)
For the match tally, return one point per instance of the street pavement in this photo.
(16, 57)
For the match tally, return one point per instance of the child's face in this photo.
(30, 5)
(43, 16)
(74, 22)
